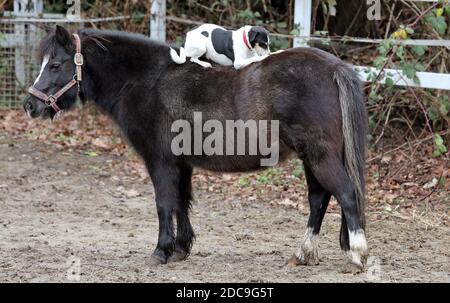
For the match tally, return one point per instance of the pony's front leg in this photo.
(165, 180)
(185, 234)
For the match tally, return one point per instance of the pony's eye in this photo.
(55, 65)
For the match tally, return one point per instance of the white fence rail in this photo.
(302, 18)
(426, 79)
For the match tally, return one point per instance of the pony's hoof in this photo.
(357, 259)
(155, 261)
(158, 258)
(304, 259)
(178, 255)
(309, 258)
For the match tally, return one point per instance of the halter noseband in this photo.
(50, 100)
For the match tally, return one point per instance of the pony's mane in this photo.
(93, 39)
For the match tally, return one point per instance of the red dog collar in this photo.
(244, 36)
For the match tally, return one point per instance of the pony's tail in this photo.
(354, 128)
(178, 59)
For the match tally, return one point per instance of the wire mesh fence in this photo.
(18, 66)
(19, 40)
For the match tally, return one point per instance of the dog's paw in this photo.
(207, 65)
(277, 52)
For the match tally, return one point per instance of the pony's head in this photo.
(57, 51)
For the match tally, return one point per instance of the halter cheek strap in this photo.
(50, 100)
(78, 57)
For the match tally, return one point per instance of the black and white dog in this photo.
(238, 48)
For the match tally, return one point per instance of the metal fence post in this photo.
(302, 21)
(158, 20)
(25, 36)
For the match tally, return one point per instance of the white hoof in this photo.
(358, 248)
(308, 253)
(308, 257)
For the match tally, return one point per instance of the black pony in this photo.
(316, 98)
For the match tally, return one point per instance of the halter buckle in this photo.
(50, 100)
(78, 59)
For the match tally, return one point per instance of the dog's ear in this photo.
(256, 31)
(45, 27)
(62, 36)
(252, 33)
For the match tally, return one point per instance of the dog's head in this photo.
(259, 39)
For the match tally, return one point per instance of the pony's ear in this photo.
(47, 28)
(62, 36)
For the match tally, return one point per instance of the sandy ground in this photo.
(66, 216)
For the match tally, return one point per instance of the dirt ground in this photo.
(60, 209)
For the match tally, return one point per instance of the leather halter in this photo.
(50, 100)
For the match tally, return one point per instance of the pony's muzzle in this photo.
(33, 107)
(28, 105)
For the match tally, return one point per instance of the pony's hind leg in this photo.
(318, 202)
(185, 233)
(332, 175)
